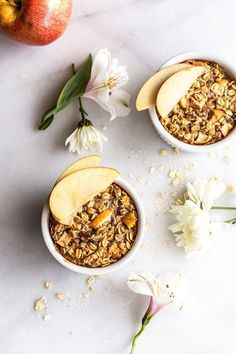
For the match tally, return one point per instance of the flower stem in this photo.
(222, 208)
(136, 337)
(83, 113)
(231, 221)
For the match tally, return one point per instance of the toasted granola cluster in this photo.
(207, 113)
(103, 231)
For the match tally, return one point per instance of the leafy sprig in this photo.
(74, 88)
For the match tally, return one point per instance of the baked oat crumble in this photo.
(103, 230)
(207, 113)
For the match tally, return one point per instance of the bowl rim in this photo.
(170, 139)
(113, 267)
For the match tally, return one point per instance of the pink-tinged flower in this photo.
(164, 290)
(107, 77)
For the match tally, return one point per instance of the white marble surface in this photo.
(143, 34)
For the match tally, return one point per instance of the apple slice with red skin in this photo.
(34, 22)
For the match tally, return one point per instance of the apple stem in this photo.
(14, 3)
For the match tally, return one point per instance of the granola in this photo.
(103, 230)
(207, 113)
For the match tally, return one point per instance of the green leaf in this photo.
(45, 124)
(76, 86)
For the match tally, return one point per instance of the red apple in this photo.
(35, 22)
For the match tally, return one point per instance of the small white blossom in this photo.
(104, 85)
(195, 229)
(85, 138)
(205, 192)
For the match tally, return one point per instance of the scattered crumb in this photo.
(90, 281)
(131, 176)
(189, 167)
(140, 179)
(72, 333)
(152, 169)
(164, 195)
(163, 152)
(47, 285)
(167, 242)
(175, 182)
(230, 187)
(166, 209)
(214, 178)
(174, 195)
(40, 304)
(61, 296)
(104, 127)
(214, 154)
(176, 177)
(227, 158)
(161, 168)
(46, 317)
(179, 202)
(176, 151)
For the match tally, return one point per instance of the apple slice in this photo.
(148, 94)
(84, 162)
(175, 88)
(75, 190)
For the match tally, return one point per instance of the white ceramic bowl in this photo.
(170, 139)
(113, 267)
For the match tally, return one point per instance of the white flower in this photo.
(195, 229)
(85, 138)
(104, 85)
(168, 288)
(203, 192)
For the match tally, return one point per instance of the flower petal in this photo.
(140, 283)
(99, 74)
(119, 104)
(85, 138)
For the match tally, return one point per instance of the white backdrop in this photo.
(143, 34)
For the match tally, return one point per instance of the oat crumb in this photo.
(176, 151)
(230, 187)
(152, 169)
(46, 317)
(90, 281)
(166, 209)
(227, 159)
(40, 304)
(163, 152)
(141, 179)
(179, 202)
(47, 285)
(62, 296)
